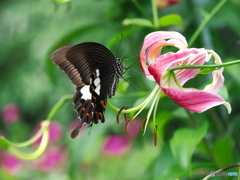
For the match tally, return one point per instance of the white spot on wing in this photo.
(86, 94)
(97, 72)
(96, 81)
(97, 90)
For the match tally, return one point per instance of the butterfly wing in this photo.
(60, 59)
(92, 68)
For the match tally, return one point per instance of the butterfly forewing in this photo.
(87, 57)
(59, 58)
(95, 72)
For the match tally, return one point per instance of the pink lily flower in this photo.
(155, 66)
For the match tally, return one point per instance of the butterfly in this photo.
(95, 72)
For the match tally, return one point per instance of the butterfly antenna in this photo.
(137, 71)
(131, 57)
(130, 68)
(132, 82)
(124, 78)
(124, 55)
(120, 41)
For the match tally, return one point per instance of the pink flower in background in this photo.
(155, 66)
(133, 128)
(166, 3)
(55, 132)
(53, 159)
(10, 113)
(10, 163)
(116, 145)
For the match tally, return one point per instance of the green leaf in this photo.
(184, 142)
(206, 71)
(163, 162)
(222, 150)
(162, 118)
(171, 19)
(173, 172)
(138, 21)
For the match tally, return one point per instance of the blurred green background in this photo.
(31, 30)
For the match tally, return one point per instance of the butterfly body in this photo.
(95, 72)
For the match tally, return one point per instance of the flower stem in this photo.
(62, 1)
(212, 66)
(57, 106)
(43, 131)
(25, 143)
(137, 5)
(40, 150)
(155, 14)
(205, 21)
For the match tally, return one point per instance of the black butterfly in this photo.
(95, 72)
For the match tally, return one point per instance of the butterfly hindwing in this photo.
(95, 72)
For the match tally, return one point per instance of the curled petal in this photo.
(195, 57)
(196, 100)
(218, 78)
(163, 35)
(182, 57)
(153, 44)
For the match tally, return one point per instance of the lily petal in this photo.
(153, 44)
(156, 66)
(188, 56)
(218, 78)
(196, 100)
(195, 57)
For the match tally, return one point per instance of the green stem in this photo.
(212, 66)
(155, 14)
(40, 150)
(62, 1)
(57, 106)
(143, 11)
(43, 131)
(205, 21)
(25, 143)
